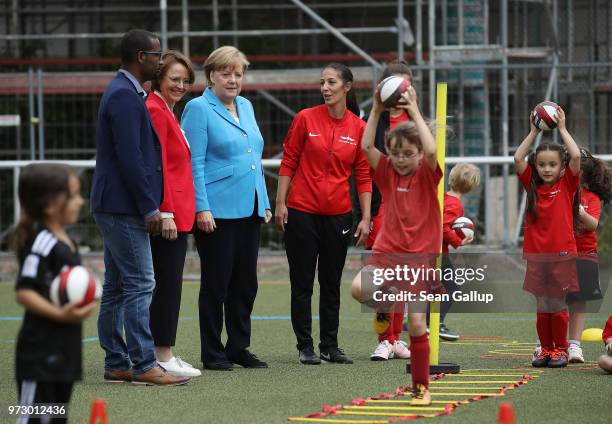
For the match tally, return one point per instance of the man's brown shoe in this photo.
(117, 376)
(157, 376)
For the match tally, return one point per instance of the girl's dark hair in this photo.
(396, 67)
(347, 76)
(536, 181)
(596, 176)
(39, 185)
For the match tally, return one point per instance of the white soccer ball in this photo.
(75, 285)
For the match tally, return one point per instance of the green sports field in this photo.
(577, 394)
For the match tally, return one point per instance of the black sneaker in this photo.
(542, 359)
(336, 356)
(307, 357)
(447, 334)
(248, 360)
(558, 359)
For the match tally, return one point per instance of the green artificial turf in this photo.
(578, 394)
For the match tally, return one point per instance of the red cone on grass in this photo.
(98, 412)
(506, 413)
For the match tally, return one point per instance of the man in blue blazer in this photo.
(125, 197)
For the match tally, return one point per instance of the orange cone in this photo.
(506, 414)
(98, 412)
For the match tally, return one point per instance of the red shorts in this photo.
(551, 279)
(412, 272)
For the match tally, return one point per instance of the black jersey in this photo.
(47, 350)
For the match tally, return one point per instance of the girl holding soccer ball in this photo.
(551, 178)
(49, 356)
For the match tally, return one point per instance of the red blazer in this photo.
(179, 192)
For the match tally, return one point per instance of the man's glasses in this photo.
(152, 53)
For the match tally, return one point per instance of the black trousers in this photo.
(228, 259)
(32, 392)
(309, 237)
(168, 264)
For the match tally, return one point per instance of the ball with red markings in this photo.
(464, 227)
(545, 116)
(75, 285)
(391, 90)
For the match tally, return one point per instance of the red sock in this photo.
(559, 324)
(397, 323)
(388, 334)
(394, 332)
(419, 360)
(544, 327)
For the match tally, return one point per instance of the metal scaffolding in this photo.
(499, 58)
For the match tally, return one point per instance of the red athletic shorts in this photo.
(551, 278)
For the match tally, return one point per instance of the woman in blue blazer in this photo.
(231, 202)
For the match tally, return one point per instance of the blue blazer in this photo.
(128, 176)
(225, 157)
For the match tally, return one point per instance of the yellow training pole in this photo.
(434, 314)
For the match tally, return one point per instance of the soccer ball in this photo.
(464, 227)
(75, 285)
(545, 116)
(391, 90)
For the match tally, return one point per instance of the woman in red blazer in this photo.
(178, 209)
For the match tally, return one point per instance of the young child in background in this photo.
(462, 179)
(49, 352)
(551, 178)
(596, 188)
(605, 361)
(411, 229)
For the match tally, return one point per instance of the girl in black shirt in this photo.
(48, 358)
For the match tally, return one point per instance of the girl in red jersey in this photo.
(551, 178)
(390, 344)
(596, 188)
(605, 361)
(411, 230)
(319, 154)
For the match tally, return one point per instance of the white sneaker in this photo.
(179, 368)
(536, 352)
(575, 354)
(401, 350)
(383, 352)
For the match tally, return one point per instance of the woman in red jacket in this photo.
(178, 209)
(320, 152)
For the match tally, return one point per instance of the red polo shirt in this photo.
(320, 153)
(411, 222)
(586, 241)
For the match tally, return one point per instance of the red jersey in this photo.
(453, 209)
(586, 241)
(320, 153)
(412, 221)
(394, 120)
(553, 231)
(607, 331)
